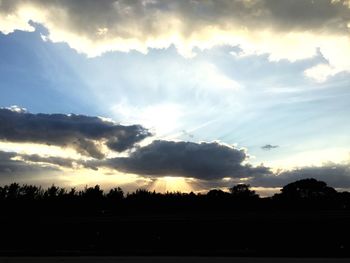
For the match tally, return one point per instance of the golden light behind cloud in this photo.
(40, 149)
(172, 184)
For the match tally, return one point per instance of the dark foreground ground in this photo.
(168, 260)
(240, 234)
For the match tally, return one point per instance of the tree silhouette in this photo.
(307, 189)
(141, 194)
(54, 192)
(216, 193)
(305, 193)
(12, 191)
(31, 192)
(72, 192)
(115, 194)
(242, 191)
(92, 193)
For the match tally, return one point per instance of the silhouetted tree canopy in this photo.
(243, 191)
(302, 194)
(115, 194)
(307, 189)
(216, 193)
(93, 193)
(89, 220)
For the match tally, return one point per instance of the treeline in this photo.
(302, 194)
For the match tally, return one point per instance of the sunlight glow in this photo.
(172, 184)
(266, 191)
(106, 178)
(162, 118)
(39, 149)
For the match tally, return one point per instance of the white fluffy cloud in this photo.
(283, 29)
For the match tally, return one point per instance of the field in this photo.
(168, 260)
(241, 234)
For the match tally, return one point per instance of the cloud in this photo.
(205, 161)
(85, 134)
(268, 147)
(336, 175)
(211, 165)
(59, 161)
(282, 29)
(11, 167)
(321, 72)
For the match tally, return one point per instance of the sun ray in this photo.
(172, 184)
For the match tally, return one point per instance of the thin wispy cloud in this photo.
(269, 147)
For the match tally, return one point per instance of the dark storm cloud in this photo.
(268, 147)
(83, 133)
(198, 160)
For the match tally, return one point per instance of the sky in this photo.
(175, 95)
